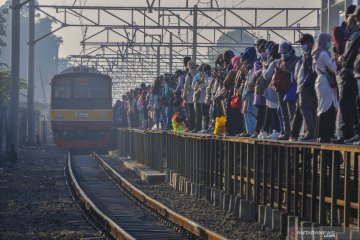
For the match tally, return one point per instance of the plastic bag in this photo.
(220, 123)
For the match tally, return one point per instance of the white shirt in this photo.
(325, 94)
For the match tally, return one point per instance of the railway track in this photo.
(120, 210)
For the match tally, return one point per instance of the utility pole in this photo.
(171, 54)
(30, 90)
(194, 47)
(13, 114)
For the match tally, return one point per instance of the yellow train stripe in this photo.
(81, 115)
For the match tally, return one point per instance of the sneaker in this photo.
(293, 139)
(307, 138)
(254, 135)
(262, 135)
(356, 143)
(274, 135)
(243, 135)
(283, 137)
(204, 131)
(352, 140)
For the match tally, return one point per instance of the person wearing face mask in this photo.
(259, 99)
(288, 62)
(306, 100)
(199, 85)
(325, 92)
(247, 88)
(347, 86)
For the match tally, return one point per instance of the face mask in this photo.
(263, 55)
(285, 55)
(328, 45)
(304, 47)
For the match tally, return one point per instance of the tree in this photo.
(232, 37)
(3, 12)
(45, 50)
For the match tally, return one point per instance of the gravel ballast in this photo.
(34, 200)
(198, 210)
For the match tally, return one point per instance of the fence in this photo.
(315, 182)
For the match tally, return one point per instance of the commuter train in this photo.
(81, 109)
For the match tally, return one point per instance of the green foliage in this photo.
(3, 12)
(5, 82)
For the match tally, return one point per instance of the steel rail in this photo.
(116, 231)
(174, 217)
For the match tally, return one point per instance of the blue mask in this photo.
(328, 45)
(304, 47)
(285, 55)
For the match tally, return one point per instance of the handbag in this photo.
(290, 95)
(235, 101)
(331, 77)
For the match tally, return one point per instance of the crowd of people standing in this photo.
(267, 92)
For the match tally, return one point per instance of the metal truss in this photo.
(135, 44)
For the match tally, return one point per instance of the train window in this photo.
(91, 88)
(62, 89)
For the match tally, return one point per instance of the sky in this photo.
(73, 35)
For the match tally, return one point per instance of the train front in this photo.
(81, 112)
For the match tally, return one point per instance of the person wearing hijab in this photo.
(272, 100)
(326, 94)
(247, 88)
(288, 61)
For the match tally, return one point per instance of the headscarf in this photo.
(249, 55)
(320, 45)
(235, 62)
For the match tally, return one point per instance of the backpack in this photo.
(281, 78)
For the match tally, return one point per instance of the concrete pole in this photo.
(30, 90)
(194, 45)
(171, 54)
(324, 14)
(57, 59)
(157, 61)
(13, 112)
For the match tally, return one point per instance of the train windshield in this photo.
(62, 89)
(90, 88)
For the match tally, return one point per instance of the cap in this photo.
(260, 42)
(305, 38)
(350, 10)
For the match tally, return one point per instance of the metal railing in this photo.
(315, 182)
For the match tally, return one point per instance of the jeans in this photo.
(169, 114)
(250, 114)
(287, 112)
(160, 117)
